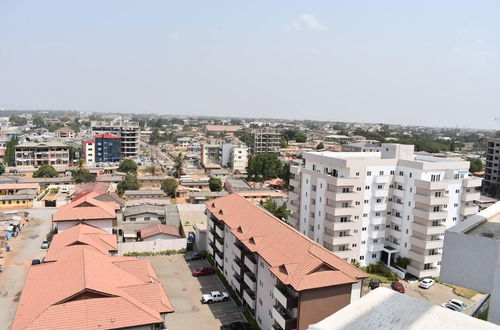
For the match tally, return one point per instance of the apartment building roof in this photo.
(124, 292)
(144, 208)
(158, 229)
(107, 136)
(387, 309)
(86, 208)
(294, 258)
(19, 186)
(53, 143)
(222, 128)
(82, 234)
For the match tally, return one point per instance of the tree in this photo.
(280, 212)
(2, 168)
(82, 175)
(38, 121)
(177, 170)
(476, 165)
(45, 171)
(264, 166)
(17, 120)
(129, 182)
(169, 186)
(285, 173)
(10, 151)
(215, 184)
(128, 166)
(320, 146)
(155, 138)
(151, 169)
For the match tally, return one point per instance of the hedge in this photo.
(158, 253)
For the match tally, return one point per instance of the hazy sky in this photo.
(409, 62)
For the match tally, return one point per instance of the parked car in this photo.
(35, 262)
(451, 307)
(426, 283)
(459, 304)
(45, 245)
(203, 271)
(214, 296)
(398, 286)
(194, 256)
(236, 326)
(374, 283)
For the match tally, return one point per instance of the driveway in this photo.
(24, 248)
(185, 292)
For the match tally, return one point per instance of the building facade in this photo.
(492, 166)
(105, 148)
(46, 153)
(129, 133)
(372, 207)
(284, 278)
(265, 140)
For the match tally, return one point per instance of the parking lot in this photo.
(185, 292)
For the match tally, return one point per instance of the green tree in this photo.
(155, 137)
(320, 146)
(177, 170)
(2, 168)
(476, 165)
(280, 212)
(264, 166)
(285, 173)
(82, 175)
(129, 182)
(169, 186)
(128, 166)
(18, 120)
(152, 169)
(10, 151)
(215, 184)
(45, 171)
(38, 121)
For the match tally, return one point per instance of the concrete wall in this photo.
(103, 224)
(156, 245)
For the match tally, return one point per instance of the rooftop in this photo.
(86, 208)
(485, 224)
(159, 229)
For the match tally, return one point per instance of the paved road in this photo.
(25, 247)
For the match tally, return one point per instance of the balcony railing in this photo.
(251, 263)
(283, 318)
(285, 297)
(250, 281)
(249, 298)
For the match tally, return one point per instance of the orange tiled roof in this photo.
(82, 234)
(159, 229)
(86, 208)
(294, 258)
(85, 289)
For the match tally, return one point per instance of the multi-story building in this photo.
(492, 166)
(471, 257)
(129, 133)
(265, 140)
(64, 133)
(105, 148)
(287, 280)
(360, 147)
(375, 206)
(45, 153)
(238, 157)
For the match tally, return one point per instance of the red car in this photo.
(397, 286)
(203, 271)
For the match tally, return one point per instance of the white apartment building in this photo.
(130, 134)
(287, 280)
(375, 206)
(238, 157)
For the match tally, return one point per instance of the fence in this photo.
(152, 246)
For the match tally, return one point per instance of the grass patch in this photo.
(250, 319)
(158, 253)
(379, 271)
(380, 277)
(462, 292)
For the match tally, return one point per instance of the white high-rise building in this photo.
(376, 206)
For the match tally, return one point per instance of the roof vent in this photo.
(240, 230)
(487, 234)
(220, 212)
(213, 205)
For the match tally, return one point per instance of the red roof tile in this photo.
(86, 207)
(107, 136)
(158, 229)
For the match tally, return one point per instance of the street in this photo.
(24, 248)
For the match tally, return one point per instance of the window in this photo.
(355, 231)
(374, 256)
(362, 258)
(132, 219)
(369, 173)
(455, 205)
(410, 174)
(358, 188)
(357, 173)
(381, 173)
(343, 219)
(379, 200)
(401, 173)
(367, 187)
(392, 172)
(354, 245)
(377, 214)
(363, 242)
(365, 215)
(356, 216)
(454, 218)
(367, 201)
(363, 229)
(457, 191)
(377, 227)
(147, 218)
(358, 203)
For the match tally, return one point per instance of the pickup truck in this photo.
(214, 296)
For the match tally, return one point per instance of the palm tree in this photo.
(177, 169)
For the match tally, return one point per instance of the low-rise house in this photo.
(152, 193)
(159, 231)
(220, 173)
(137, 217)
(151, 181)
(65, 133)
(199, 197)
(14, 188)
(21, 199)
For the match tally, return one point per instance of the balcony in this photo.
(428, 230)
(381, 193)
(397, 220)
(375, 247)
(424, 259)
(239, 250)
(470, 196)
(395, 233)
(429, 214)
(210, 249)
(472, 182)
(379, 207)
(285, 297)
(339, 196)
(338, 225)
(343, 182)
(426, 244)
(376, 221)
(337, 240)
(294, 197)
(220, 231)
(341, 211)
(219, 258)
(210, 236)
(420, 273)
(219, 245)
(343, 254)
(237, 266)
(283, 318)
(374, 234)
(249, 298)
(468, 210)
(382, 179)
(397, 206)
(250, 281)
(398, 193)
(295, 183)
(432, 185)
(251, 263)
(431, 200)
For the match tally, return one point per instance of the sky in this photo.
(433, 63)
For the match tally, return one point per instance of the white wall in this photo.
(264, 296)
(159, 236)
(156, 245)
(103, 224)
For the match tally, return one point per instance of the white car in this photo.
(45, 245)
(458, 303)
(426, 283)
(451, 307)
(214, 296)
